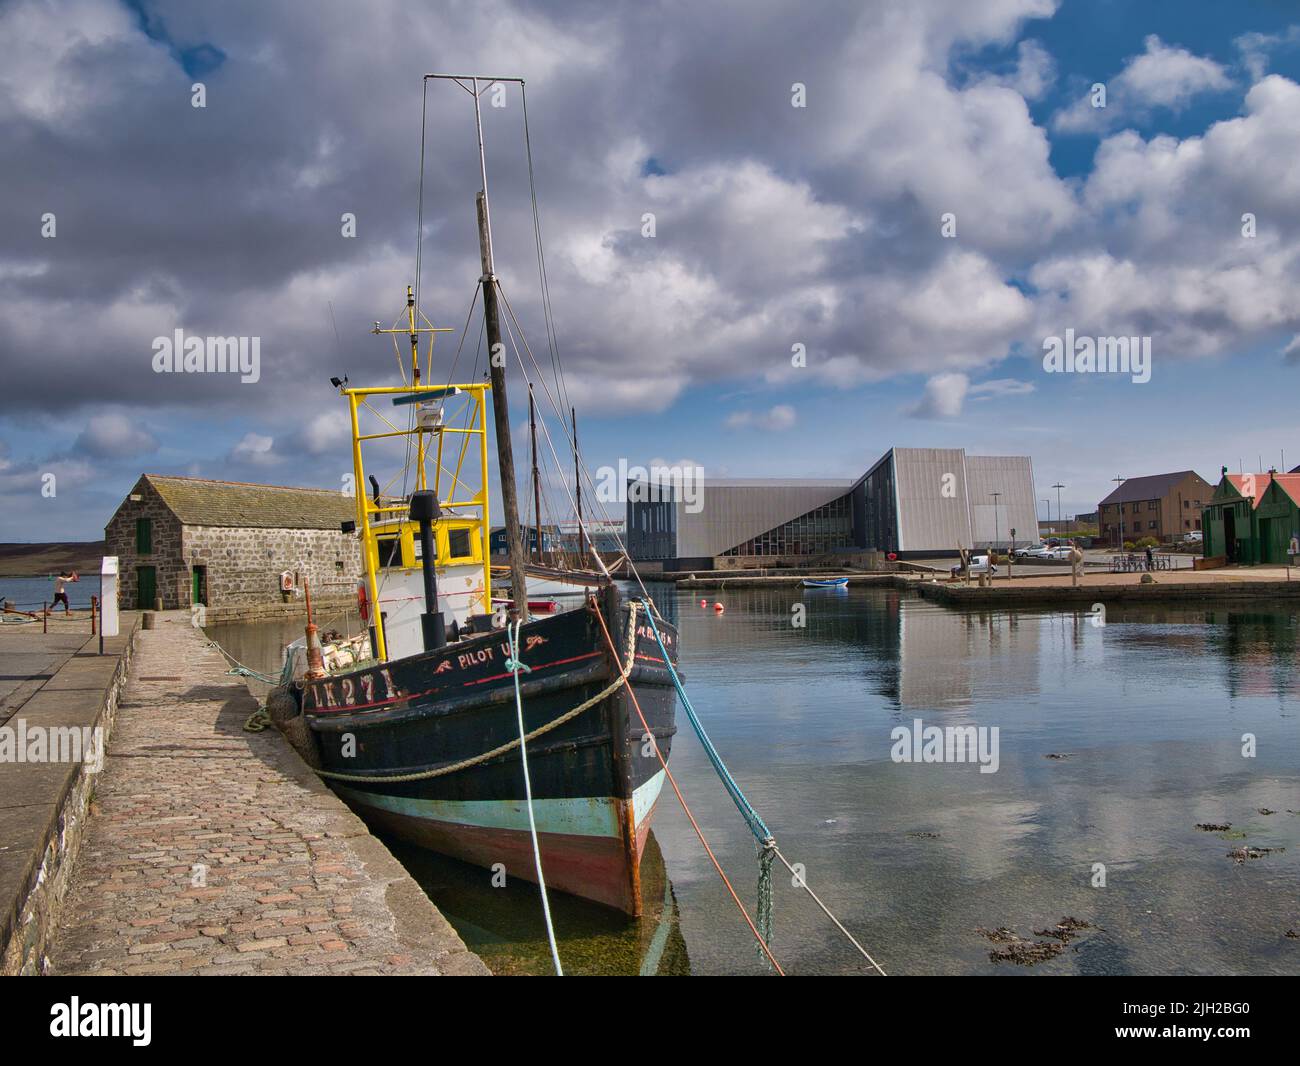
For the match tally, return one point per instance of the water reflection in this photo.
(504, 926)
(1116, 740)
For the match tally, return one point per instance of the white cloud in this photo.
(1255, 48)
(944, 396)
(1163, 76)
(114, 436)
(256, 449)
(986, 390)
(776, 419)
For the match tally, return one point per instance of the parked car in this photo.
(1196, 536)
(1029, 551)
(979, 564)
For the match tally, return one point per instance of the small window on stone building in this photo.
(338, 565)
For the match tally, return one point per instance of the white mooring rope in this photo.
(516, 668)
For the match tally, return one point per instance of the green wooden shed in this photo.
(1253, 518)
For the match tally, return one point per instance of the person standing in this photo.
(1151, 558)
(61, 590)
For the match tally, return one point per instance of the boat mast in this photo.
(497, 373)
(577, 484)
(537, 491)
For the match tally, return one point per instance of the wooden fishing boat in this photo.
(423, 739)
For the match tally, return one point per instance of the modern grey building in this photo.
(912, 501)
(930, 501)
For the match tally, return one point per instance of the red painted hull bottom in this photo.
(595, 868)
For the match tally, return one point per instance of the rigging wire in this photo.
(649, 734)
(546, 432)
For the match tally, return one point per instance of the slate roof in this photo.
(198, 502)
(1150, 487)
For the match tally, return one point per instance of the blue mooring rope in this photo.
(752, 818)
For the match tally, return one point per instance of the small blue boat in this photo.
(828, 583)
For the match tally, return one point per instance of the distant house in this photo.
(185, 540)
(1164, 506)
(1252, 518)
(497, 539)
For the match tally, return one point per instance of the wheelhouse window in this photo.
(458, 544)
(389, 550)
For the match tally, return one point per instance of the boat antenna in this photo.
(577, 484)
(496, 350)
(537, 491)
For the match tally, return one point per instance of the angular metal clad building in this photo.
(913, 501)
(932, 501)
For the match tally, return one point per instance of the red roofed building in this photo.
(1254, 518)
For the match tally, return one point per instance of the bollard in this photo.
(146, 620)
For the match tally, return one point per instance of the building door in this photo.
(146, 587)
(199, 583)
(1230, 533)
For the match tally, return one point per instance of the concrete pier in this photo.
(58, 697)
(210, 850)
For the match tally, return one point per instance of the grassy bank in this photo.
(35, 560)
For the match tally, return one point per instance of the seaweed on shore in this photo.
(1240, 855)
(1021, 951)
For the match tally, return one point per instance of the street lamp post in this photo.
(1058, 487)
(1119, 526)
(997, 528)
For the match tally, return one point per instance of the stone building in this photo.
(231, 545)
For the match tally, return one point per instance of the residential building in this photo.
(1163, 506)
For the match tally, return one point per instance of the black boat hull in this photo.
(439, 715)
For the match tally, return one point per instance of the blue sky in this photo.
(775, 226)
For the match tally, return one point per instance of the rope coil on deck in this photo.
(555, 723)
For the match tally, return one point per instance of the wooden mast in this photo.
(577, 484)
(497, 374)
(537, 491)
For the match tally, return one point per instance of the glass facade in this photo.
(652, 528)
(818, 532)
(879, 514)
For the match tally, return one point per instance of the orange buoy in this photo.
(718, 608)
(704, 603)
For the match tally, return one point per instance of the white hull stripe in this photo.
(591, 816)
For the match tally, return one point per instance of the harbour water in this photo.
(1117, 736)
(28, 593)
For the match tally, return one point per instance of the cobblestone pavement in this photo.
(210, 850)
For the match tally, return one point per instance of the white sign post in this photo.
(108, 596)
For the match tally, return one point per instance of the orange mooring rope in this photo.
(682, 799)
